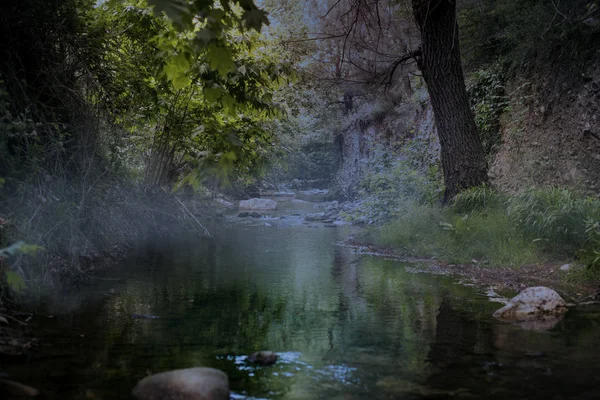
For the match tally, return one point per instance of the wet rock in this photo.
(313, 217)
(258, 205)
(224, 203)
(184, 384)
(254, 215)
(534, 303)
(144, 316)
(279, 196)
(263, 358)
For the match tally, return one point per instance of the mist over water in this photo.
(346, 326)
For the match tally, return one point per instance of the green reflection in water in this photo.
(347, 326)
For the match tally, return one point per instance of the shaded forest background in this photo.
(118, 124)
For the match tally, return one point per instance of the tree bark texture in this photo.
(463, 159)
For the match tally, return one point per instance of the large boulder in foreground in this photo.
(534, 303)
(184, 384)
(258, 205)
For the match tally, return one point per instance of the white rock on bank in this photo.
(565, 268)
(533, 303)
(184, 384)
(258, 205)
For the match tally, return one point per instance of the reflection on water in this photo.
(345, 326)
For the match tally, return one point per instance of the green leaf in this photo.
(229, 103)
(255, 19)
(181, 82)
(31, 249)
(205, 36)
(174, 9)
(176, 69)
(15, 281)
(221, 59)
(213, 94)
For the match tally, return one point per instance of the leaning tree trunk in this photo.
(463, 160)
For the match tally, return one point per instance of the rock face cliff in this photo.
(550, 135)
(375, 133)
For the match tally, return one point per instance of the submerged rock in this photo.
(534, 303)
(184, 384)
(258, 205)
(312, 217)
(279, 196)
(263, 358)
(18, 390)
(144, 316)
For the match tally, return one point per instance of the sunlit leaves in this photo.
(203, 89)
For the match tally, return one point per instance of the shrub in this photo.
(553, 217)
(477, 199)
(498, 229)
(488, 102)
(590, 253)
(415, 231)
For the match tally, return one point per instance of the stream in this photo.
(346, 325)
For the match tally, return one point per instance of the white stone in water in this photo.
(258, 205)
(533, 303)
(184, 384)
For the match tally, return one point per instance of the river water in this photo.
(346, 325)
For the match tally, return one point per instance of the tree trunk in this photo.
(463, 159)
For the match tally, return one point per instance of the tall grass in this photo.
(495, 228)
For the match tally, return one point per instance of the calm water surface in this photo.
(346, 326)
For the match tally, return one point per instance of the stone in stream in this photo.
(258, 205)
(16, 390)
(224, 203)
(312, 217)
(534, 304)
(144, 316)
(263, 358)
(184, 384)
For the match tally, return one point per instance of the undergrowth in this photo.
(489, 227)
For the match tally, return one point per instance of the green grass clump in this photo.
(554, 218)
(490, 227)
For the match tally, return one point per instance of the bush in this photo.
(415, 231)
(590, 253)
(477, 199)
(488, 226)
(484, 234)
(554, 218)
(488, 102)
